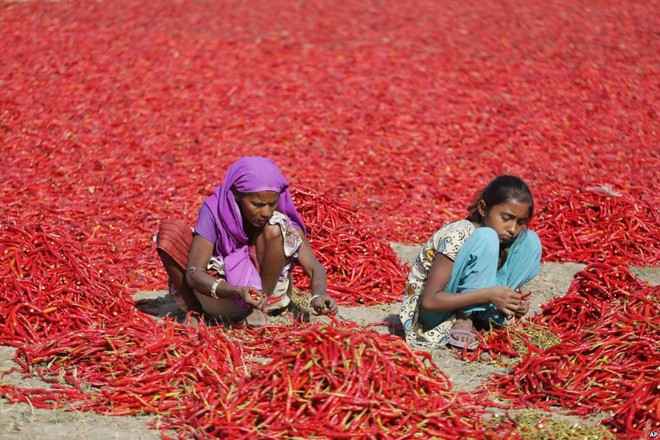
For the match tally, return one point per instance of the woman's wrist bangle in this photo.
(314, 297)
(214, 288)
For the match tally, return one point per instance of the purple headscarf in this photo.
(246, 175)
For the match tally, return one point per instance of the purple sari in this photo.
(246, 175)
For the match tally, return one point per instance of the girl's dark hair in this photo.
(500, 190)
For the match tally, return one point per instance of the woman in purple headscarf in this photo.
(236, 263)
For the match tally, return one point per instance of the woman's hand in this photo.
(506, 299)
(253, 297)
(323, 304)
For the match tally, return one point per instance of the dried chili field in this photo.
(386, 117)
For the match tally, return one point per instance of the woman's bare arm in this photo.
(322, 302)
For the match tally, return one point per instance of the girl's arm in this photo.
(197, 278)
(321, 301)
(435, 299)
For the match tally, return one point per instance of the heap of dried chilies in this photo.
(338, 382)
(48, 286)
(597, 224)
(322, 380)
(606, 360)
(129, 366)
(361, 268)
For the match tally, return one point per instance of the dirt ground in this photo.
(22, 422)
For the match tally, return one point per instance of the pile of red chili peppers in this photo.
(597, 224)
(339, 381)
(49, 286)
(607, 358)
(361, 268)
(386, 118)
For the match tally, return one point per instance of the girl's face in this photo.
(257, 208)
(508, 218)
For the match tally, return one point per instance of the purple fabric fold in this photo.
(246, 175)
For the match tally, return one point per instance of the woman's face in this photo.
(508, 218)
(258, 207)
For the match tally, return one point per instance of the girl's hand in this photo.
(523, 308)
(506, 299)
(255, 298)
(323, 304)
